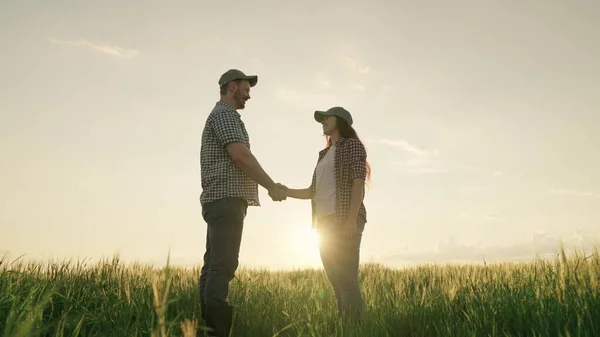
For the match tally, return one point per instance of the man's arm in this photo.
(226, 126)
(248, 163)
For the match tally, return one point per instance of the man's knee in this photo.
(224, 267)
(223, 276)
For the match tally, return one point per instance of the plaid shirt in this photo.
(221, 177)
(349, 164)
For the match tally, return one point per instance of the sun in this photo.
(307, 237)
(311, 238)
(306, 245)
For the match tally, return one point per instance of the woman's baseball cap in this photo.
(335, 111)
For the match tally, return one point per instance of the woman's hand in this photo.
(279, 192)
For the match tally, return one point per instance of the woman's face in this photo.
(329, 125)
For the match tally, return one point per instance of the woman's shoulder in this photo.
(353, 143)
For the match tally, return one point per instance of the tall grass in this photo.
(559, 297)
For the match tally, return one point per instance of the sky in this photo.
(478, 118)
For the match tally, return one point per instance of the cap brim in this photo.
(320, 115)
(253, 79)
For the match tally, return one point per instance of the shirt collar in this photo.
(340, 141)
(228, 106)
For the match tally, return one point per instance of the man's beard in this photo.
(241, 102)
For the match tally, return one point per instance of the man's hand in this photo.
(278, 193)
(349, 227)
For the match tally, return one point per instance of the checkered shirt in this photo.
(220, 176)
(350, 163)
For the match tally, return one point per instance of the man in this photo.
(230, 178)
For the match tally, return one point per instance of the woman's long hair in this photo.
(347, 131)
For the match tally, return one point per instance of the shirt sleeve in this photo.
(227, 128)
(357, 159)
(313, 180)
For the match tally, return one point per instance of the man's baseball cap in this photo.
(335, 111)
(235, 74)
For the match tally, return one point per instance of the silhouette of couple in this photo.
(230, 178)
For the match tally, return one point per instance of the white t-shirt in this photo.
(325, 188)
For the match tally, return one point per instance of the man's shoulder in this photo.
(221, 106)
(220, 110)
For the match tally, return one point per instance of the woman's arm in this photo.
(358, 187)
(358, 171)
(303, 193)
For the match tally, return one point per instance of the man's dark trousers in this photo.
(225, 220)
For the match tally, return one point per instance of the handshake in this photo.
(279, 192)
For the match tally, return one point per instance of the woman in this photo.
(339, 215)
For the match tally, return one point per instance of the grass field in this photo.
(559, 297)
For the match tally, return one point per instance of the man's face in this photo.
(241, 94)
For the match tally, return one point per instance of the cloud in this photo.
(490, 217)
(423, 165)
(322, 81)
(105, 48)
(408, 147)
(487, 217)
(450, 250)
(304, 99)
(354, 66)
(572, 192)
(421, 160)
(386, 89)
(427, 170)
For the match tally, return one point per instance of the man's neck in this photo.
(229, 101)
